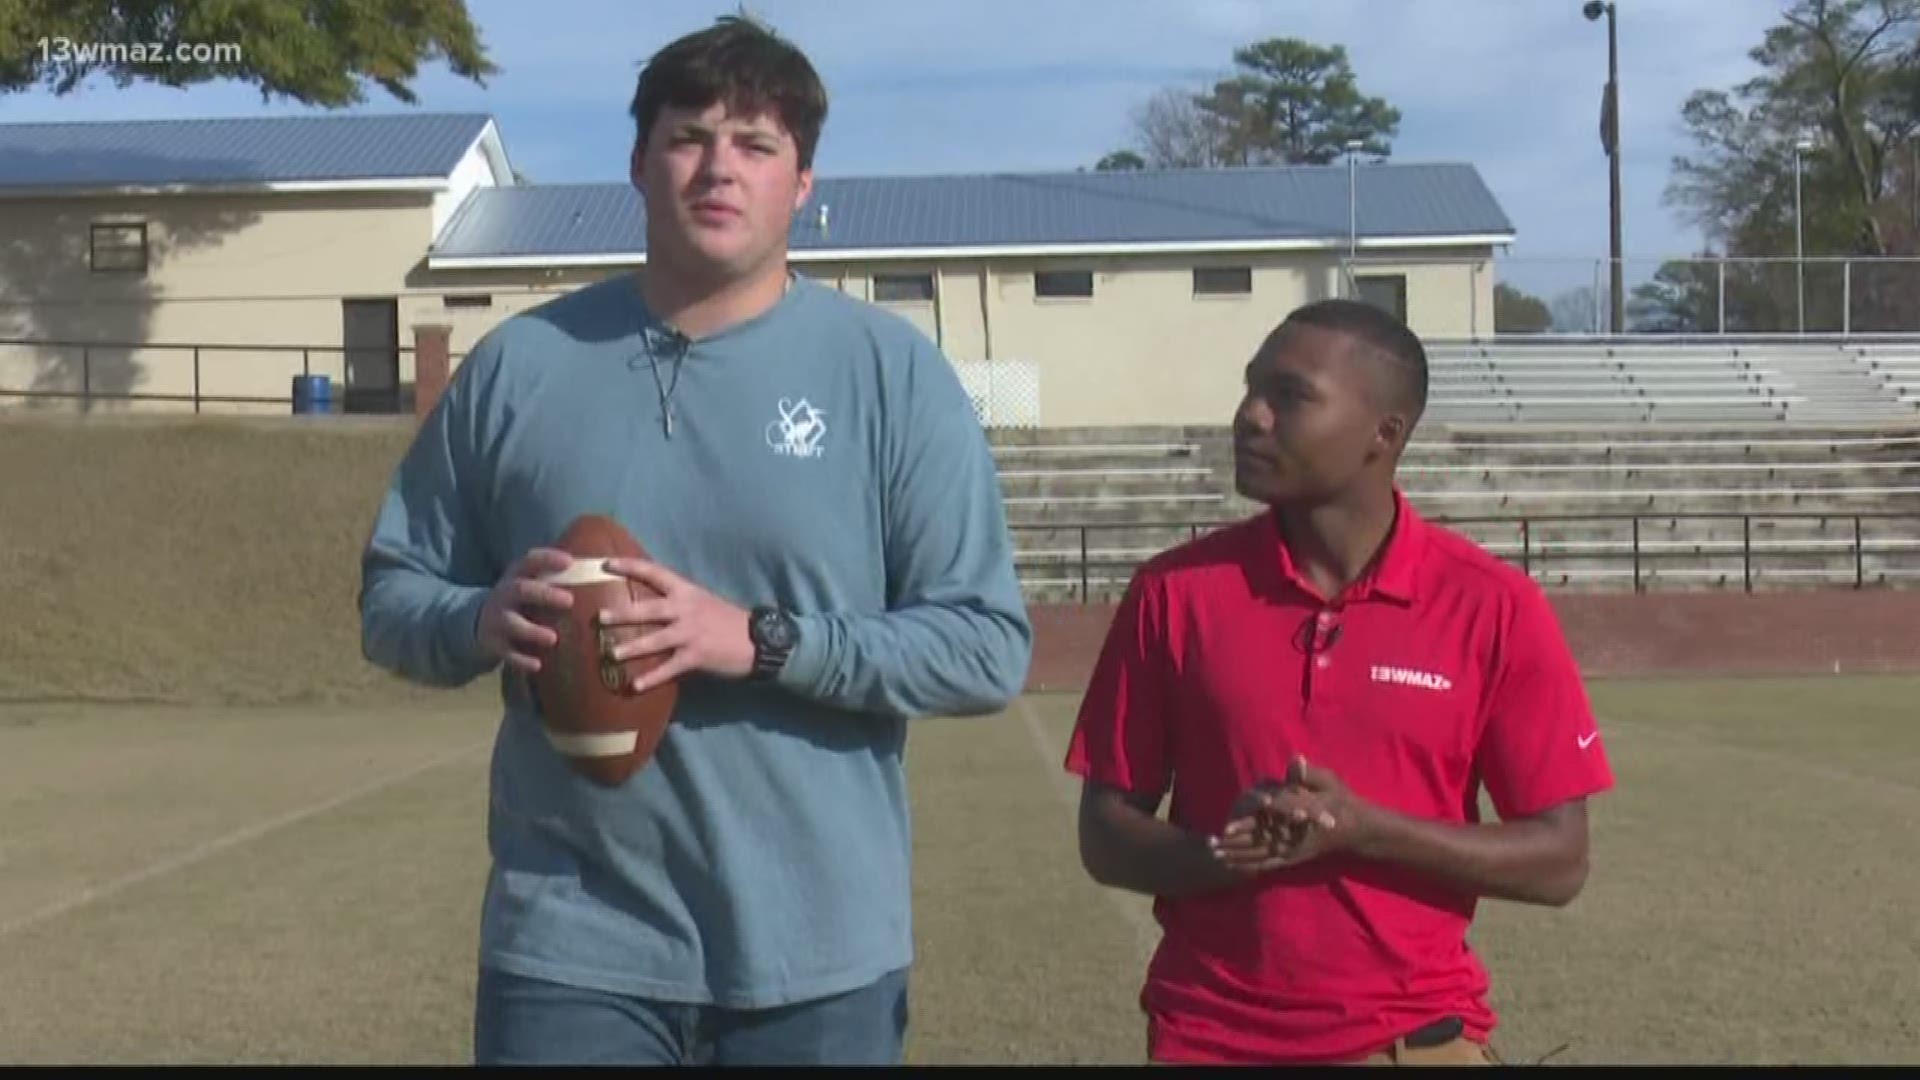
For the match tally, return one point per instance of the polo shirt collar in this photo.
(1395, 575)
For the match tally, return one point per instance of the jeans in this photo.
(523, 1021)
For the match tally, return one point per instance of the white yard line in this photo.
(1146, 931)
(210, 848)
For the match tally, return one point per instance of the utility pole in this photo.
(1353, 213)
(1610, 139)
(1800, 147)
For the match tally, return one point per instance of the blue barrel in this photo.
(312, 395)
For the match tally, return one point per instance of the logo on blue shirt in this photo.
(799, 430)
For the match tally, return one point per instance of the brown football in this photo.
(592, 716)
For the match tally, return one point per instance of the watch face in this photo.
(775, 630)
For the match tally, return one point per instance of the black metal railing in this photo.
(1536, 555)
(358, 399)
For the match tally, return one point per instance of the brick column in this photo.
(430, 366)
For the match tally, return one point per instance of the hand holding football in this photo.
(593, 716)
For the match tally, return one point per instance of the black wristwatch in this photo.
(774, 634)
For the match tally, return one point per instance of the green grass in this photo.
(302, 885)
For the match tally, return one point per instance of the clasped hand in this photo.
(1278, 824)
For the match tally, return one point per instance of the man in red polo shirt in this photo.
(1324, 689)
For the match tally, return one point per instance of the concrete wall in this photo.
(1719, 633)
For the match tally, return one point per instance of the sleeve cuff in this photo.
(463, 635)
(807, 665)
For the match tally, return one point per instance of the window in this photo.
(903, 288)
(118, 246)
(1222, 280)
(470, 300)
(1063, 283)
(1387, 292)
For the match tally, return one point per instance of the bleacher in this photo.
(1665, 509)
(1598, 467)
(1644, 382)
(1086, 505)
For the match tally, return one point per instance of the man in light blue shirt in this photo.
(833, 552)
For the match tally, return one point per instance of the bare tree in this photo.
(1174, 132)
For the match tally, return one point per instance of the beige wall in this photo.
(507, 292)
(1449, 290)
(274, 269)
(954, 318)
(239, 270)
(1145, 348)
(269, 269)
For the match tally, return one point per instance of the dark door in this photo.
(371, 333)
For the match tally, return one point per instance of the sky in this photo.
(944, 86)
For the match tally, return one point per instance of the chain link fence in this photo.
(1773, 296)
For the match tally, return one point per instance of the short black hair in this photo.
(746, 65)
(1405, 358)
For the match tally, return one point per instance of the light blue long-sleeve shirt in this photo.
(823, 457)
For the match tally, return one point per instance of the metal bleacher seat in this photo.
(1600, 465)
(1655, 382)
(1614, 408)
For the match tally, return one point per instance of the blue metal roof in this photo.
(1172, 207)
(234, 151)
(1398, 201)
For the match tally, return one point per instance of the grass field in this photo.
(301, 884)
(225, 838)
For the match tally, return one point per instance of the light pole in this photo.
(1610, 139)
(1800, 147)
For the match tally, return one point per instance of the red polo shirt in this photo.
(1441, 671)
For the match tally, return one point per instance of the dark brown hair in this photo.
(745, 65)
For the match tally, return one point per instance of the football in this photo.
(592, 716)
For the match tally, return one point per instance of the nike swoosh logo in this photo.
(1587, 740)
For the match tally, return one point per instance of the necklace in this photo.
(680, 346)
(666, 390)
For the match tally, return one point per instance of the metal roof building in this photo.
(331, 241)
(283, 152)
(1261, 209)
(508, 224)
